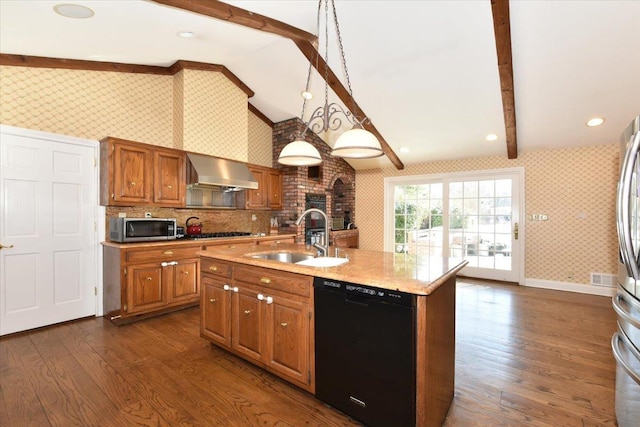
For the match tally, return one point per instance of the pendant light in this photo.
(356, 143)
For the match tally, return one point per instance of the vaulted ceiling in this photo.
(425, 72)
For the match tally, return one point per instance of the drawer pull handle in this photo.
(247, 312)
(212, 300)
(168, 252)
(213, 268)
(265, 280)
(284, 324)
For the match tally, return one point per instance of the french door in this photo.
(474, 216)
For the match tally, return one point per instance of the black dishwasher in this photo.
(365, 352)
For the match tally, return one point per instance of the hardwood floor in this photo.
(525, 357)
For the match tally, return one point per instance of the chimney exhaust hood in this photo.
(216, 172)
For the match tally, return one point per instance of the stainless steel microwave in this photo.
(125, 230)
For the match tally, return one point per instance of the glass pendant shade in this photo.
(299, 153)
(357, 143)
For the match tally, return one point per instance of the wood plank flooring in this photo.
(524, 357)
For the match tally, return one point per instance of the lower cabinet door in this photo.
(247, 316)
(215, 307)
(185, 285)
(289, 324)
(144, 289)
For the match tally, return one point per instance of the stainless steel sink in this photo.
(284, 256)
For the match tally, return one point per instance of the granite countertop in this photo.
(420, 275)
(203, 242)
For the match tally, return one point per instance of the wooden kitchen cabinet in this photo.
(269, 315)
(269, 192)
(169, 179)
(143, 281)
(215, 315)
(346, 241)
(134, 174)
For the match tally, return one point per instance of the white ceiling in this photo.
(425, 72)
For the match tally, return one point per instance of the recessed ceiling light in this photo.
(596, 121)
(306, 95)
(492, 137)
(75, 11)
(404, 149)
(186, 34)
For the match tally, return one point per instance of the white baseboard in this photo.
(570, 287)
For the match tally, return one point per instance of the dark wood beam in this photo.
(310, 52)
(502, 30)
(226, 12)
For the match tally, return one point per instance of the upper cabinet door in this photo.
(169, 178)
(132, 174)
(275, 189)
(257, 199)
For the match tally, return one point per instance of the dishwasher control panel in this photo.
(364, 291)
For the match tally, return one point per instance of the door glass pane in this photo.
(483, 236)
(418, 219)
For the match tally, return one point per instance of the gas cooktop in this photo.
(217, 235)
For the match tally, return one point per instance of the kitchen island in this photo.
(264, 311)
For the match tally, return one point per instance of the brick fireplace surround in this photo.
(336, 180)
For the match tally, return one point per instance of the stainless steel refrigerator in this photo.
(626, 341)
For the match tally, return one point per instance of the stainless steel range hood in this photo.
(216, 172)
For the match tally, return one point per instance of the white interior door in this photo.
(48, 217)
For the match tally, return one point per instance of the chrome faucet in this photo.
(322, 248)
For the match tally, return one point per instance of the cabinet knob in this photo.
(284, 324)
(212, 300)
(260, 297)
(149, 278)
(265, 280)
(247, 312)
(186, 272)
(213, 268)
(169, 187)
(226, 287)
(235, 289)
(133, 184)
(269, 300)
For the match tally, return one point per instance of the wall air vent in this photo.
(603, 279)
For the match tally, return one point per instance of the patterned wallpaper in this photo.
(88, 104)
(194, 110)
(260, 135)
(574, 187)
(214, 115)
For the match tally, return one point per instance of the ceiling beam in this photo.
(305, 42)
(502, 30)
(313, 56)
(226, 12)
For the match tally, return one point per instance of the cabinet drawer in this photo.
(215, 267)
(161, 253)
(277, 280)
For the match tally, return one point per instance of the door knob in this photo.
(5, 246)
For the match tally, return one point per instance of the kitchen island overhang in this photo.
(432, 280)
